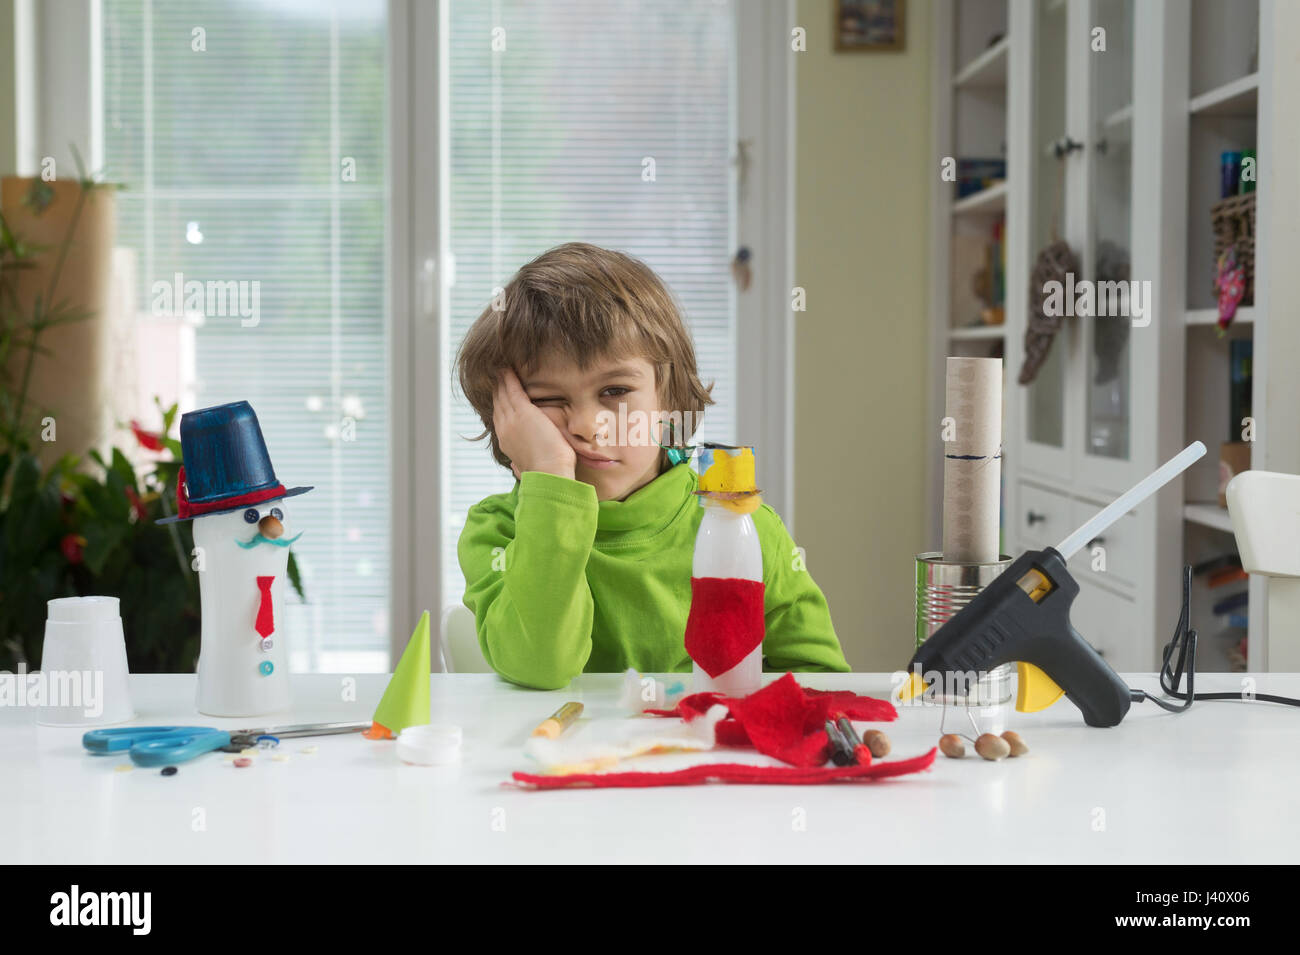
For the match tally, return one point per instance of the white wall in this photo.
(863, 162)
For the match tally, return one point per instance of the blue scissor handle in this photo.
(124, 737)
(163, 751)
(157, 745)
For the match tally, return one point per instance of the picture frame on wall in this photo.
(869, 25)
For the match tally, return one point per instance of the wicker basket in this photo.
(1233, 220)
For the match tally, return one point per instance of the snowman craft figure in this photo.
(242, 533)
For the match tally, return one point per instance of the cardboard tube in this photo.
(972, 468)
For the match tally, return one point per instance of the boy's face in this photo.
(615, 448)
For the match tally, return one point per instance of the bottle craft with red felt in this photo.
(724, 631)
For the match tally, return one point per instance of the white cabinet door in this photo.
(1044, 518)
(1043, 424)
(1119, 300)
(1074, 419)
(1108, 622)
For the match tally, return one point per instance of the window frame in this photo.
(59, 84)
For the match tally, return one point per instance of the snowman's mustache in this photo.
(273, 541)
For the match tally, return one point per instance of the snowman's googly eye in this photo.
(251, 515)
(277, 513)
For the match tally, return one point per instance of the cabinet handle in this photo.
(1034, 518)
(1060, 148)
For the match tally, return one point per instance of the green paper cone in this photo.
(406, 701)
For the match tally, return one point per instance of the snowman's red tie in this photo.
(265, 625)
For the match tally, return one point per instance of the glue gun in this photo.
(1023, 616)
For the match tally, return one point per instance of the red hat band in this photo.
(186, 509)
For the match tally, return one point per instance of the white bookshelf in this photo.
(987, 201)
(988, 69)
(1182, 82)
(1237, 98)
(1120, 119)
(979, 333)
(1208, 515)
(1244, 315)
(971, 57)
(1223, 88)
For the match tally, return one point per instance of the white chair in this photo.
(458, 644)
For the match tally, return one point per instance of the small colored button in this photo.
(169, 770)
(266, 666)
(266, 644)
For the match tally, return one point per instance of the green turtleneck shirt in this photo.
(561, 583)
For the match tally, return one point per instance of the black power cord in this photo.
(1184, 644)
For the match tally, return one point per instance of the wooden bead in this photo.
(951, 745)
(877, 742)
(1018, 747)
(992, 747)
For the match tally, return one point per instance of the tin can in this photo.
(943, 588)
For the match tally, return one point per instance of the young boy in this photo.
(586, 563)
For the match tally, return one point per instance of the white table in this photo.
(1216, 784)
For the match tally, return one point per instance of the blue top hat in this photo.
(226, 466)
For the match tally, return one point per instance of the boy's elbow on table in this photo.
(537, 669)
(540, 672)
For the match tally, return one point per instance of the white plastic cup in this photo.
(83, 664)
(436, 744)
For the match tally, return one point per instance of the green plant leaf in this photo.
(23, 492)
(32, 522)
(62, 314)
(39, 196)
(8, 241)
(124, 468)
(81, 166)
(168, 415)
(101, 541)
(295, 578)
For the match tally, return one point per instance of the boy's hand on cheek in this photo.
(527, 436)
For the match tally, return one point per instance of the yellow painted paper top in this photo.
(726, 470)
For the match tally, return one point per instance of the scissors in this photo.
(168, 745)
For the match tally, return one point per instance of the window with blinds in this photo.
(549, 133)
(251, 136)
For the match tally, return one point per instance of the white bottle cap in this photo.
(433, 744)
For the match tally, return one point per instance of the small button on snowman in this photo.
(242, 534)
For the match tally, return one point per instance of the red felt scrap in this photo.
(782, 722)
(783, 719)
(731, 773)
(725, 623)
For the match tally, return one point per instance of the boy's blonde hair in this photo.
(588, 303)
